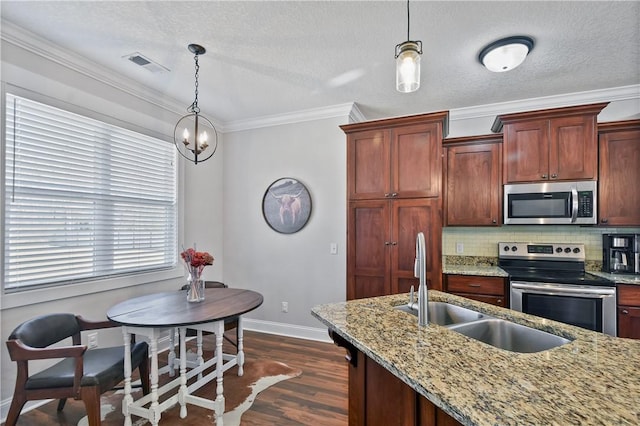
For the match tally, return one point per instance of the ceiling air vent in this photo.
(146, 63)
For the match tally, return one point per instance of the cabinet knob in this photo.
(553, 176)
(604, 220)
(624, 311)
(394, 194)
(544, 176)
(499, 300)
(493, 221)
(387, 243)
(394, 243)
(387, 195)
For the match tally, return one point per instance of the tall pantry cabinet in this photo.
(394, 188)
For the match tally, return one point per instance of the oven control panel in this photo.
(547, 251)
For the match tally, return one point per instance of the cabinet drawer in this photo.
(486, 298)
(475, 284)
(628, 295)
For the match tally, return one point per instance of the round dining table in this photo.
(152, 316)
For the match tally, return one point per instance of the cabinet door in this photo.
(618, 193)
(369, 164)
(629, 322)
(473, 194)
(388, 400)
(368, 243)
(416, 161)
(573, 150)
(526, 151)
(408, 218)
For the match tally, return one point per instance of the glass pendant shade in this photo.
(506, 54)
(200, 148)
(408, 66)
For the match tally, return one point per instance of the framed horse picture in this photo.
(286, 205)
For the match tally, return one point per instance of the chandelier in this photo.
(195, 136)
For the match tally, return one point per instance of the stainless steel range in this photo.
(549, 281)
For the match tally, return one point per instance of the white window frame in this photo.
(44, 294)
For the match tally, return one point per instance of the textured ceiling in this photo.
(275, 57)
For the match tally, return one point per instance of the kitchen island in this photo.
(595, 379)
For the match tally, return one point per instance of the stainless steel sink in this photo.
(510, 336)
(443, 313)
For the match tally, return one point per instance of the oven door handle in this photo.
(573, 290)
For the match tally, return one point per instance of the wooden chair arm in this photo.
(94, 325)
(21, 352)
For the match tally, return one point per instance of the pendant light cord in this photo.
(408, 21)
(194, 105)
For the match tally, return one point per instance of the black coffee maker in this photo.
(621, 253)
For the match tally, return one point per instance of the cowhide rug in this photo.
(239, 392)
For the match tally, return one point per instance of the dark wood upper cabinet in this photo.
(394, 179)
(395, 158)
(550, 145)
(618, 192)
(473, 182)
(415, 160)
(369, 169)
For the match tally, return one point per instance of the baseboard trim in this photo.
(289, 330)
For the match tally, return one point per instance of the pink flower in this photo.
(197, 259)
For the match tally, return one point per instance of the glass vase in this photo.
(195, 292)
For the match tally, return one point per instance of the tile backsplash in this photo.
(483, 241)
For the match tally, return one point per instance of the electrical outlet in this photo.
(459, 248)
(93, 340)
(285, 307)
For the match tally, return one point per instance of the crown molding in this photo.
(349, 110)
(44, 48)
(545, 102)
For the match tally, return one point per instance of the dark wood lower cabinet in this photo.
(378, 398)
(485, 289)
(629, 322)
(629, 311)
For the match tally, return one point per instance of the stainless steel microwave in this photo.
(551, 203)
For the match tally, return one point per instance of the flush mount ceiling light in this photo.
(195, 136)
(506, 54)
(408, 63)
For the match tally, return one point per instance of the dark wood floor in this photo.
(318, 397)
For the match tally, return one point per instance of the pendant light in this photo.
(506, 54)
(408, 63)
(195, 136)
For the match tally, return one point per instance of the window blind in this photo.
(83, 199)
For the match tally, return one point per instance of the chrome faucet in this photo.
(420, 272)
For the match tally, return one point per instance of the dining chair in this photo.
(81, 373)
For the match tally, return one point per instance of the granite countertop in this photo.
(595, 379)
(486, 271)
(618, 278)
